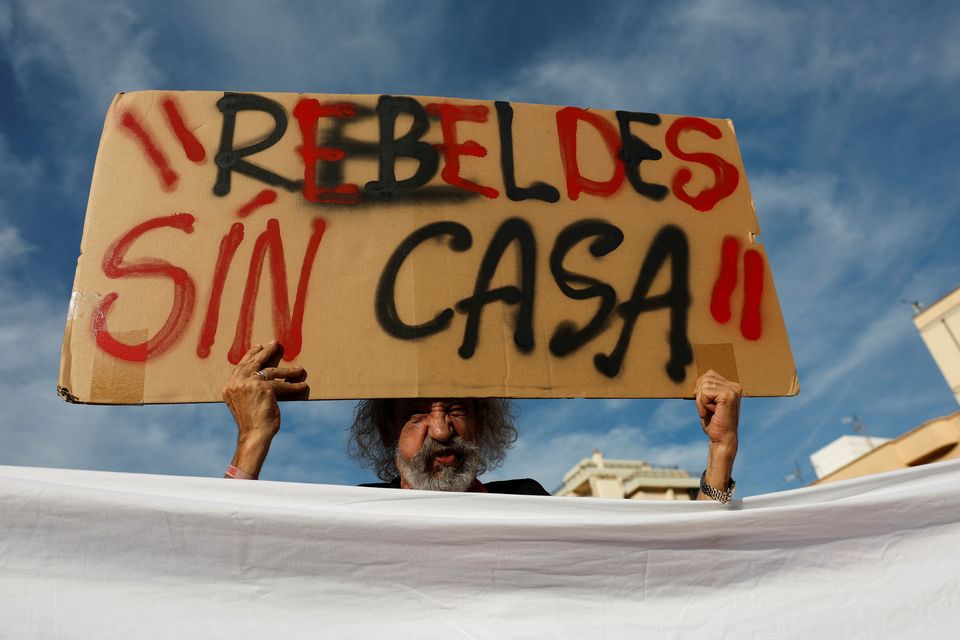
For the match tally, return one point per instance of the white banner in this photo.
(107, 555)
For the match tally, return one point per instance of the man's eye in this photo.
(458, 411)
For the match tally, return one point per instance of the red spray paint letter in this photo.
(307, 112)
(567, 121)
(228, 247)
(183, 292)
(725, 175)
(450, 114)
(288, 328)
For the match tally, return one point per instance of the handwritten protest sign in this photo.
(402, 246)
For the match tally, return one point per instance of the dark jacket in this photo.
(521, 486)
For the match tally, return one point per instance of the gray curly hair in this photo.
(373, 434)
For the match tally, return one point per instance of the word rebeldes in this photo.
(626, 149)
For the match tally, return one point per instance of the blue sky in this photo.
(846, 115)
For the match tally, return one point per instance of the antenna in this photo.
(858, 427)
(917, 306)
(796, 474)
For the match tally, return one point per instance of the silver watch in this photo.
(716, 494)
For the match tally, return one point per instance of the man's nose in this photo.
(441, 426)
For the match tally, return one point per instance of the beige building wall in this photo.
(939, 326)
(599, 477)
(933, 441)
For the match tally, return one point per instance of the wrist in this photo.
(719, 470)
(723, 452)
(250, 454)
(238, 474)
(722, 494)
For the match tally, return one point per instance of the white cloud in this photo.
(671, 416)
(96, 49)
(753, 54)
(12, 245)
(16, 177)
(6, 20)
(614, 403)
(361, 46)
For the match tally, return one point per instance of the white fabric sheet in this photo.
(107, 555)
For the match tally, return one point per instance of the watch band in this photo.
(716, 494)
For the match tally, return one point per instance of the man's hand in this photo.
(252, 400)
(718, 403)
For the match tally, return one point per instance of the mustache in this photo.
(455, 445)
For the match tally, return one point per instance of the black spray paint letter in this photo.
(670, 244)
(386, 304)
(229, 159)
(566, 338)
(408, 146)
(538, 190)
(634, 151)
(511, 230)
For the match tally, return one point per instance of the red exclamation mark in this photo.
(726, 281)
(750, 322)
(167, 175)
(191, 146)
(751, 325)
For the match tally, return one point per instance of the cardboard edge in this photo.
(65, 375)
(66, 383)
(794, 389)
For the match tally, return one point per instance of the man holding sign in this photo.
(426, 248)
(440, 444)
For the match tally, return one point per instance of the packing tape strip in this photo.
(115, 381)
(719, 357)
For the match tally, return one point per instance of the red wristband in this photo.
(239, 474)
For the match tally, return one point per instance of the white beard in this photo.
(418, 474)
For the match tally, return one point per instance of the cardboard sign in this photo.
(411, 246)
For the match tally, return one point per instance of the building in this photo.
(632, 479)
(933, 441)
(843, 451)
(939, 326)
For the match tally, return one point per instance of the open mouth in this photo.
(445, 458)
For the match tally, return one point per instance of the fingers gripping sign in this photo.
(718, 403)
(251, 394)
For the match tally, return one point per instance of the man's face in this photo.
(437, 443)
